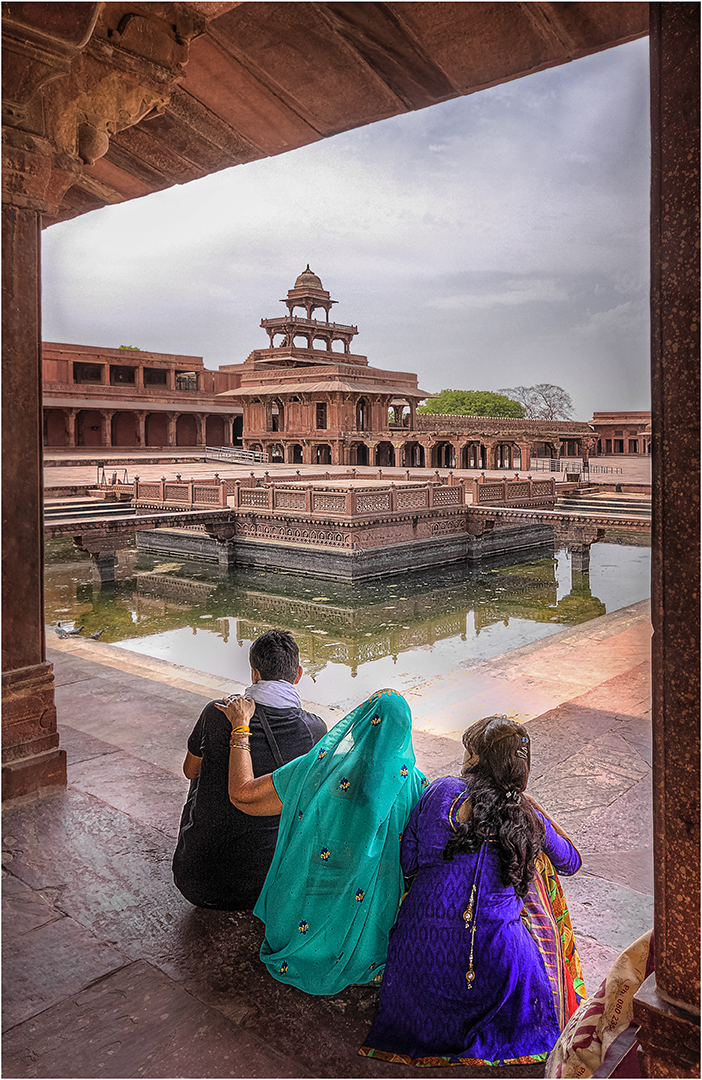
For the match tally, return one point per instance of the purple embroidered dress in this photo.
(429, 1013)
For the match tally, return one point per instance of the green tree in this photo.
(131, 348)
(472, 403)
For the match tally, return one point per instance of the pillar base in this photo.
(669, 1037)
(37, 775)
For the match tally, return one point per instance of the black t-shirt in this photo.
(222, 856)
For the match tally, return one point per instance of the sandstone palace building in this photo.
(306, 399)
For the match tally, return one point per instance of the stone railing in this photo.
(515, 492)
(395, 498)
(180, 494)
(297, 495)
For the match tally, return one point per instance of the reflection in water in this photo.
(399, 630)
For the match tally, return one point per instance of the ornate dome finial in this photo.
(308, 280)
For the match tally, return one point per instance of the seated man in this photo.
(222, 856)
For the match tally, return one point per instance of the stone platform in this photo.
(342, 563)
(110, 973)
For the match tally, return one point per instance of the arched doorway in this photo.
(507, 456)
(55, 428)
(214, 431)
(156, 429)
(89, 428)
(385, 455)
(276, 453)
(295, 454)
(186, 430)
(413, 455)
(443, 456)
(358, 454)
(237, 430)
(321, 455)
(124, 429)
(474, 456)
(362, 415)
(277, 416)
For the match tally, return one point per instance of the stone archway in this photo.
(186, 430)
(443, 456)
(413, 455)
(214, 430)
(321, 454)
(156, 429)
(88, 428)
(385, 455)
(295, 454)
(55, 428)
(125, 429)
(358, 454)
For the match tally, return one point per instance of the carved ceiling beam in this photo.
(109, 66)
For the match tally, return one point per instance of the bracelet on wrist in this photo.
(243, 729)
(239, 746)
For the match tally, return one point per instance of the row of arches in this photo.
(413, 454)
(92, 427)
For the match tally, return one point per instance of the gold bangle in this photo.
(242, 728)
(239, 746)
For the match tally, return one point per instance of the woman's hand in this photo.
(238, 710)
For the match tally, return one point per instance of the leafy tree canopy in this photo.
(472, 403)
(132, 348)
(544, 401)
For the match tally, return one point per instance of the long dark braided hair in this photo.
(496, 769)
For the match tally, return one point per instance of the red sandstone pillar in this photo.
(667, 1005)
(106, 418)
(71, 422)
(31, 757)
(141, 427)
(172, 431)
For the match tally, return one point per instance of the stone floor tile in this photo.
(80, 746)
(146, 793)
(23, 908)
(623, 825)
(613, 915)
(596, 960)
(138, 1023)
(633, 868)
(45, 965)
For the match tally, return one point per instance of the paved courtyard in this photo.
(108, 971)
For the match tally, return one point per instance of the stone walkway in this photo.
(110, 973)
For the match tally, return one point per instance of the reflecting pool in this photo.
(352, 638)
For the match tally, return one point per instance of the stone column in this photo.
(71, 415)
(31, 757)
(106, 419)
(667, 1006)
(201, 429)
(172, 434)
(141, 428)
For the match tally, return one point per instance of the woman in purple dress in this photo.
(477, 969)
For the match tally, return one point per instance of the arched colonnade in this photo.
(70, 427)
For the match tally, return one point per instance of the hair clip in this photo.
(522, 752)
(512, 796)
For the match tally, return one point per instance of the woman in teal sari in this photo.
(333, 889)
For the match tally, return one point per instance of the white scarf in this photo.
(274, 692)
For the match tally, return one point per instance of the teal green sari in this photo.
(333, 889)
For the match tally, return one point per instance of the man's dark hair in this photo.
(275, 656)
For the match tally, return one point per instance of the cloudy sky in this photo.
(497, 240)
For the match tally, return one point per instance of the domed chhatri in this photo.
(308, 280)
